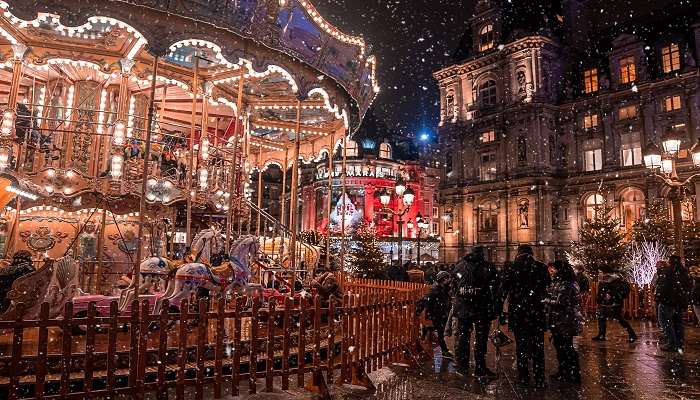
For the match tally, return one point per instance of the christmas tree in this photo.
(655, 227)
(691, 243)
(365, 256)
(601, 243)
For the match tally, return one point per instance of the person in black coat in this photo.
(437, 305)
(565, 321)
(397, 272)
(695, 292)
(612, 292)
(525, 286)
(475, 287)
(672, 291)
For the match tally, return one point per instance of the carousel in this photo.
(130, 132)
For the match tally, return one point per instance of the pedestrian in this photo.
(396, 272)
(475, 287)
(612, 292)
(327, 286)
(437, 305)
(695, 292)
(525, 288)
(565, 321)
(672, 292)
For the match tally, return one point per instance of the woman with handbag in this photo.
(565, 321)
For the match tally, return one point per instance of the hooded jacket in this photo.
(475, 287)
(525, 286)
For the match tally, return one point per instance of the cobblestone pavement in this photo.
(614, 370)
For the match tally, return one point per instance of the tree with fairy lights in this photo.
(365, 256)
(601, 242)
(656, 226)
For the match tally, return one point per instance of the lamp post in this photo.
(421, 224)
(662, 164)
(407, 196)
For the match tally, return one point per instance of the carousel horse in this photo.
(235, 274)
(55, 283)
(154, 273)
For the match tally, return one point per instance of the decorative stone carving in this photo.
(523, 213)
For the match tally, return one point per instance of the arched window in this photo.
(487, 93)
(633, 206)
(385, 150)
(486, 37)
(488, 216)
(351, 150)
(593, 203)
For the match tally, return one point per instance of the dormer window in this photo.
(590, 80)
(351, 150)
(385, 151)
(486, 37)
(487, 93)
(627, 70)
(671, 58)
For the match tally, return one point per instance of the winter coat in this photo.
(673, 287)
(695, 292)
(328, 288)
(525, 286)
(564, 309)
(436, 304)
(8, 276)
(612, 292)
(475, 287)
(397, 273)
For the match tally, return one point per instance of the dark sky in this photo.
(411, 38)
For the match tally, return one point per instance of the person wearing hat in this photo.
(475, 286)
(525, 287)
(437, 305)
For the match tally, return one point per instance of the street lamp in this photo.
(421, 223)
(407, 196)
(663, 166)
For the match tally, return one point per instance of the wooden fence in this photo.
(215, 344)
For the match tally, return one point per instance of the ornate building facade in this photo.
(541, 121)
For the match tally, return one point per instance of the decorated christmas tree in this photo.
(365, 256)
(601, 243)
(655, 227)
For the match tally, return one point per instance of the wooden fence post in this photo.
(288, 305)
(67, 349)
(42, 351)
(163, 322)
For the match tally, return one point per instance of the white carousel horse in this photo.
(56, 283)
(206, 244)
(235, 274)
(153, 274)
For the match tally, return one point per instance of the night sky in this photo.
(413, 38)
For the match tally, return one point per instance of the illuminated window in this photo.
(384, 150)
(671, 58)
(351, 150)
(590, 120)
(626, 112)
(631, 149)
(488, 216)
(672, 103)
(488, 136)
(488, 167)
(590, 79)
(627, 70)
(593, 203)
(592, 155)
(487, 93)
(633, 206)
(486, 37)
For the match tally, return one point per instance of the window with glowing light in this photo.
(486, 37)
(626, 112)
(488, 216)
(632, 206)
(627, 70)
(385, 150)
(590, 80)
(488, 136)
(631, 149)
(671, 58)
(351, 150)
(590, 120)
(672, 103)
(592, 155)
(593, 203)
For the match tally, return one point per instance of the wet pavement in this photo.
(614, 370)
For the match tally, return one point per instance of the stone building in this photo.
(546, 113)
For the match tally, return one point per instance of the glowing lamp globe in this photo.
(384, 198)
(671, 142)
(409, 224)
(695, 153)
(408, 196)
(400, 186)
(652, 156)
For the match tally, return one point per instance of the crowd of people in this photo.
(533, 298)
